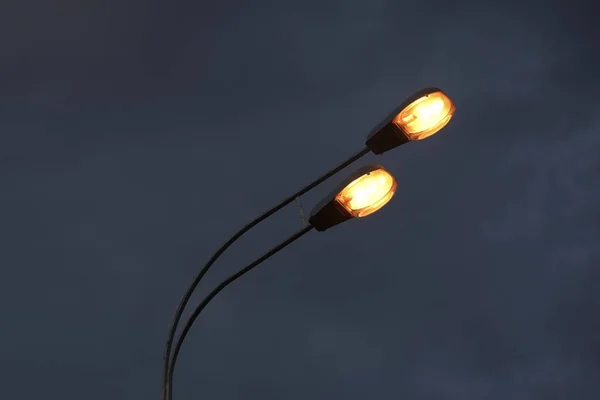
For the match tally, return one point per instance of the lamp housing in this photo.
(362, 193)
(423, 114)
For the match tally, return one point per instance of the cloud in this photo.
(136, 138)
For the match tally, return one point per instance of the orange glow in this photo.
(368, 193)
(425, 116)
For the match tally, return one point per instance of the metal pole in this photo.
(216, 291)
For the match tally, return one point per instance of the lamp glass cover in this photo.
(425, 116)
(368, 193)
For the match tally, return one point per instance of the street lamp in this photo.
(361, 194)
(364, 192)
(423, 114)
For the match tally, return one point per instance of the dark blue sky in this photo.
(137, 136)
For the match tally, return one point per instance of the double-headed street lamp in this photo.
(364, 192)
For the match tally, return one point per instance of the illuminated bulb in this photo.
(425, 116)
(368, 193)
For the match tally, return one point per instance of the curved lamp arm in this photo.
(188, 294)
(216, 291)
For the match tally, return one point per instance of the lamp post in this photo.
(421, 115)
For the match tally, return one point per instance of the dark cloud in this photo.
(137, 136)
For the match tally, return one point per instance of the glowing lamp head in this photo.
(367, 193)
(362, 193)
(425, 116)
(420, 116)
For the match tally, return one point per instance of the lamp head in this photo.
(423, 114)
(365, 191)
